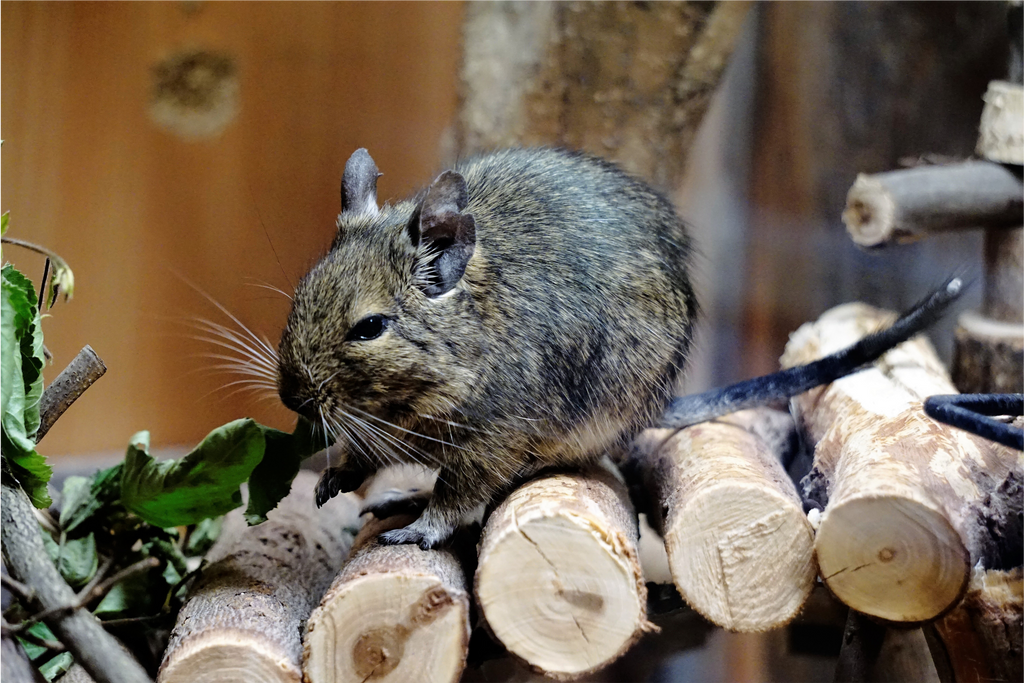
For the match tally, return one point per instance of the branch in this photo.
(78, 376)
(89, 594)
(905, 205)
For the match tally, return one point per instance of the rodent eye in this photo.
(370, 327)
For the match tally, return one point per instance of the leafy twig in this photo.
(10, 631)
(26, 558)
(78, 376)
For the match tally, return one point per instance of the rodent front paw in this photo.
(423, 535)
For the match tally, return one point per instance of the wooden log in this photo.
(1004, 276)
(908, 204)
(630, 82)
(897, 536)
(983, 636)
(876, 653)
(559, 581)
(740, 547)
(394, 613)
(988, 356)
(243, 618)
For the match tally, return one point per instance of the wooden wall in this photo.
(129, 205)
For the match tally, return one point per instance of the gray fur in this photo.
(561, 339)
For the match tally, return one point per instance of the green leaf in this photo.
(205, 483)
(82, 501)
(4, 220)
(77, 560)
(75, 496)
(57, 666)
(21, 383)
(272, 479)
(132, 594)
(39, 630)
(205, 534)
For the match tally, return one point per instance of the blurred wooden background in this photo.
(87, 173)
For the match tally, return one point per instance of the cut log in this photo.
(905, 205)
(740, 547)
(988, 356)
(898, 535)
(559, 582)
(630, 82)
(243, 618)
(394, 613)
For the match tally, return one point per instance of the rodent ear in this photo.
(359, 184)
(445, 236)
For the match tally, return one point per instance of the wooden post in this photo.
(559, 581)
(740, 548)
(897, 536)
(243, 619)
(394, 613)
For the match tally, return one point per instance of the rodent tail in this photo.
(685, 411)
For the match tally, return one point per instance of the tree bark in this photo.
(559, 581)
(898, 535)
(79, 375)
(243, 618)
(740, 547)
(628, 82)
(395, 613)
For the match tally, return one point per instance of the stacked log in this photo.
(394, 613)
(739, 545)
(559, 582)
(243, 619)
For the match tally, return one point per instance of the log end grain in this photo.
(394, 613)
(1001, 132)
(892, 557)
(724, 554)
(231, 656)
(366, 630)
(870, 212)
(559, 581)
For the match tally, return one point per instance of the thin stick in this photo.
(84, 599)
(78, 376)
(26, 594)
(11, 631)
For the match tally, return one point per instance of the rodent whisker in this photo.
(358, 437)
(382, 438)
(403, 429)
(266, 285)
(265, 345)
(262, 389)
(261, 348)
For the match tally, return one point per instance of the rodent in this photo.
(530, 308)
